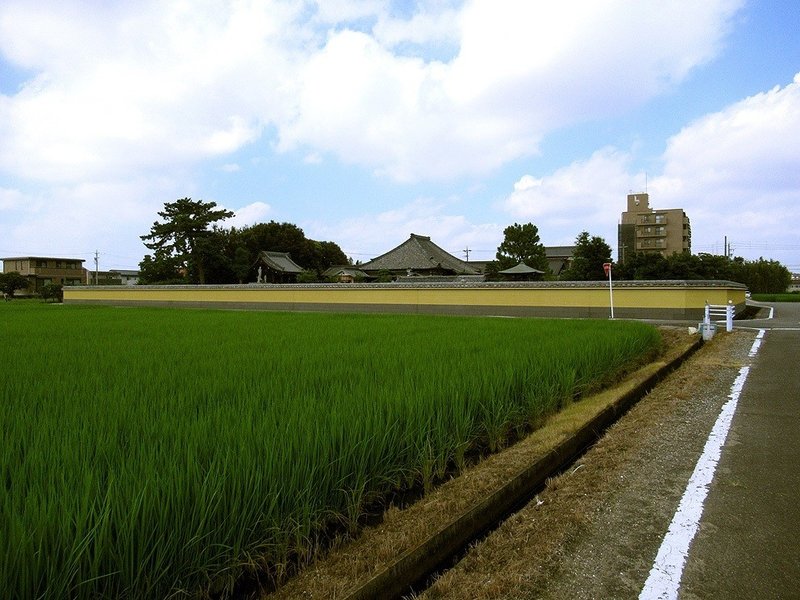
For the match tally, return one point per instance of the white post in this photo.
(729, 317)
(607, 267)
(707, 318)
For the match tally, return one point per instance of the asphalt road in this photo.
(748, 542)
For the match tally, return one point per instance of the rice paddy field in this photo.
(155, 453)
(787, 297)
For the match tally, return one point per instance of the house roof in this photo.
(418, 253)
(279, 261)
(520, 269)
(559, 257)
(559, 251)
(61, 258)
(344, 270)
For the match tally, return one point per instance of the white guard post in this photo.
(720, 310)
(607, 269)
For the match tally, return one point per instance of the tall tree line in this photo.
(189, 246)
(521, 243)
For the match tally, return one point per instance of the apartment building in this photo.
(41, 270)
(645, 229)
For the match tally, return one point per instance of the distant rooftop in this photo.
(418, 253)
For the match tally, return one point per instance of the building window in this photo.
(41, 264)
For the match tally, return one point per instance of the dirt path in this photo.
(593, 533)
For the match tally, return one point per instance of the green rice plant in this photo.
(786, 297)
(149, 453)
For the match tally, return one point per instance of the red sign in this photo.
(607, 268)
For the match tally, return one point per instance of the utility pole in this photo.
(96, 260)
(466, 252)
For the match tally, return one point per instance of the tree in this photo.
(642, 266)
(182, 236)
(11, 282)
(715, 266)
(521, 244)
(327, 254)
(588, 258)
(160, 270)
(762, 276)
(52, 291)
(241, 263)
(288, 237)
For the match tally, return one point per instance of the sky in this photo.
(363, 121)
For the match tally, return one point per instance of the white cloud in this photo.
(149, 85)
(77, 220)
(737, 173)
(11, 199)
(522, 69)
(753, 144)
(431, 28)
(157, 83)
(587, 195)
(257, 212)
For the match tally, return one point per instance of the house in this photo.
(276, 267)
(559, 258)
(345, 274)
(112, 277)
(418, 256)
(44, 270)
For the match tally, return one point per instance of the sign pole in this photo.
(607, 269)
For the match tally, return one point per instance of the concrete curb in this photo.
(417, 563)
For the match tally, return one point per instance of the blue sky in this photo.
(364, 121)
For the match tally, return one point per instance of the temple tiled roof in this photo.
(344, 270)
(520, 269)
(279, 261)
(418, 254)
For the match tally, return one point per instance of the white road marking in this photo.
(664, 580)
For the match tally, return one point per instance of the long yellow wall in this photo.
(631, 299)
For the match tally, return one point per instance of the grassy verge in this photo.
(788, 297)
(149, 451)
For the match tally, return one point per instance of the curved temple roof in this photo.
(418, 253)
(279, 261)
